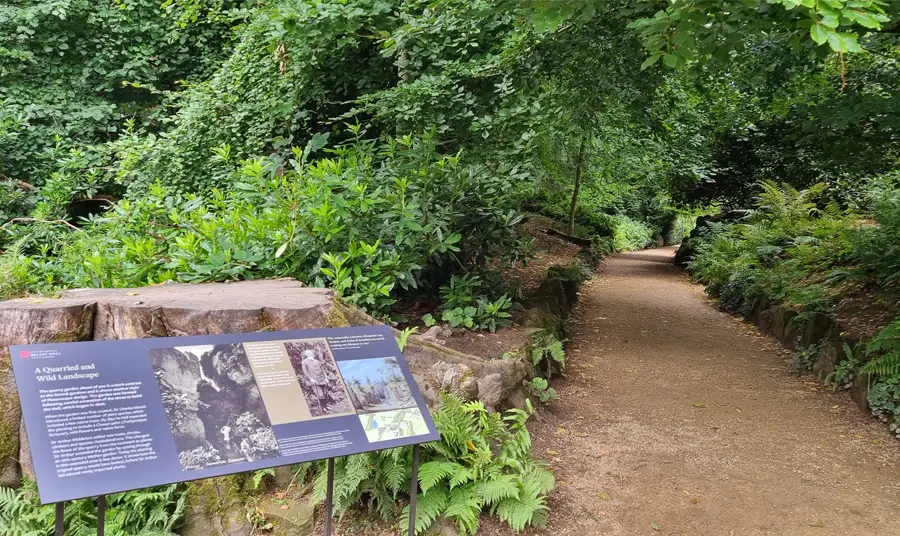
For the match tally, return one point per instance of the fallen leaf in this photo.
(696, 405)
(694, 500)
(131, 293)
(36, 301)
(654, 526)
(605, 496)
(817, 525)
(561, 431)
(552, 452)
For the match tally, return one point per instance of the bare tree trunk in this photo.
(579, 163)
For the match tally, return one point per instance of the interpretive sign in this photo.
(111, 416)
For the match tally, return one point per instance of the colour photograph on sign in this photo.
(110, 416)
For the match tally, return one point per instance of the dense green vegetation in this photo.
(391, 149)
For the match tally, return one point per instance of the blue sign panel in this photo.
(110, 416)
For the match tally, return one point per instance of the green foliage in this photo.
(785, 251)
(687, 30)
(540, 388)
(886, 347)
(803, 359)
(547, 353)
(878, 247)
(845, 371)
(632, 235)
(884, 401)
(485, 315)
(154, 511)
(409, 216)
(72, 71)
(482, 463)
(473, 301)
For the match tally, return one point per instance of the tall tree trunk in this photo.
(579, 163)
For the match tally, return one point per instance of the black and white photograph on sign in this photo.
(213, 404)
(376, 384)
(321, 383)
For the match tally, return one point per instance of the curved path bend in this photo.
(678, 419)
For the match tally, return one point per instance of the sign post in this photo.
(112, 416)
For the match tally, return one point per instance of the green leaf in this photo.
(818, 34)
(651, 60)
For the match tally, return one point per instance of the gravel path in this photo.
(678, 419)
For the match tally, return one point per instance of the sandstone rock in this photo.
(297, 518)
(216, 508)
(443, 527)
(457, 379)
(765, 320)
(490, 391)
(781, 323)
(283, 476)
(817, 328)
(859, 392)
(829, 356)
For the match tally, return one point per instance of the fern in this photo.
(429, 506)
(494, 491)
(464, 505)
(150, 512)
(482, 461)
(887, 346)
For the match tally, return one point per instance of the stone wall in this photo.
(782, 322)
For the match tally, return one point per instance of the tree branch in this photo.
(35, 220)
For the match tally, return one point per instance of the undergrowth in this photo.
(482, 464)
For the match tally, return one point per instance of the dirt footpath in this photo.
(678, 419)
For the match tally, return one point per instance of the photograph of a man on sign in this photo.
(321, 383)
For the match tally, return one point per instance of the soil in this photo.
(677, 419)
(548, 251)
(489, 345)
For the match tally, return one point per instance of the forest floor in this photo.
(675, 418)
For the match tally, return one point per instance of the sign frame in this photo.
(340, 351)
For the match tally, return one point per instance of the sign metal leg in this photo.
(413, 491)
(60, 525)
(101, 515)
(329, 497)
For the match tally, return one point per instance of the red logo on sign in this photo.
(25, 354)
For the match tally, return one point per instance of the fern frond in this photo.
(464, 507)
(528, 509)
(431, 473)
(887, 346)
(494, 491)
(429, 506)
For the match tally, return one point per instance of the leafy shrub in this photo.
(878, 247)
(484, 315)
(632, 235)
(540, 388)
(884, 401)
(483, 462)
(371, 221)
(803, 359)
(886, 347)
(845, 371)
(547, 353)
